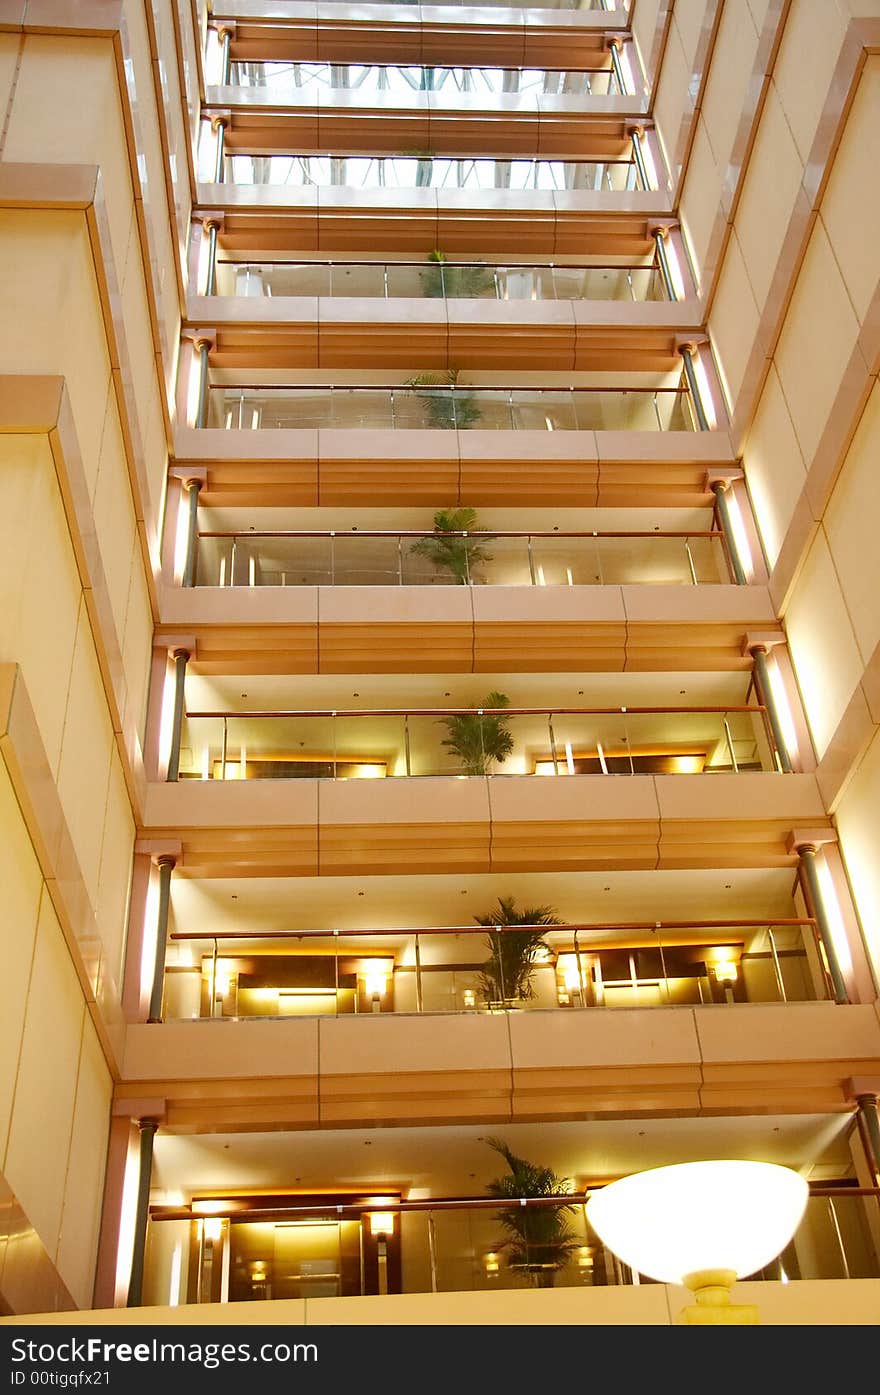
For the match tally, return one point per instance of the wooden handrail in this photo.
(487, 535)
(479, 711)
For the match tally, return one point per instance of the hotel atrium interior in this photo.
(439, 651)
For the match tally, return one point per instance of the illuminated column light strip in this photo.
(783, 707)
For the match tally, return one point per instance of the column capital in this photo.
(189, 474)
(761, 640)
(157, 849)
(657, 229)
(220, 118)
(176, 640)
(862, 1087)
(722, 479)
(141, 1109)
(212, 221)
(802, 840)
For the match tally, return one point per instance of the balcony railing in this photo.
(257, 558)
(448, 1245)
(439, 280)
(403, 80)
(374, 172)
(462, 408)
(375, 744)
(467, 968)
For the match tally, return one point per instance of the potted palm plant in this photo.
(445, 278)
(538, 1240)
(506, 976)
(479, 738)
(445, 410)
(457, 555)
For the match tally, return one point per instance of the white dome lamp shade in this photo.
(701, 1224)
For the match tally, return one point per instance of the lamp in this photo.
(701, 1224)
(382, 1223)
(725, 970)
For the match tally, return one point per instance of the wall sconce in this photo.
(469, 998)
(726, 971)
(375, 986)
(212, 1228)
(704, 1225)
(492, 1264)
(585, 1257)
(382, 1224)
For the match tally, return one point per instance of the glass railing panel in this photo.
(429, 172)
(444, 408)
(497, 561)
(402, 81)
(371, 747)
(437, 280)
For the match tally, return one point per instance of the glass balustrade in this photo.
(271, 1247)
(402, 80)
(464, 408)
(445, 559)
(467, 969)
(389, 744)
(416, 171)
(438, 280)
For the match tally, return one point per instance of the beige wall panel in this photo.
(851, 202)
(644, 23)
(774, 466)
(816, 343)
(136, 316)
(768, 198)
(810, 47)
(700, 196)
(729, 76)
(114, 517)
(85, 757)
(9, 44)
(22, 882)
(39, 583)
(81, 124)
(688, 18)
(137, 646)
(858, 818)
(39, 1136)
(81, 1215)
(155, 451)
(53, 302)
(823, 646)
(733, 322)
(115, 867)
(672, 91)
(851, 528)
(177, 132)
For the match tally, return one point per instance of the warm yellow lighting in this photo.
(567, 965)
(469, 998)
(210, 1206)
(585, 1257)
(783, 707)
(222, 978)
(381, 1222)
(686, 765)
(212, 1228)
(569, 758)
(726, 971)
(492, 1263)
(719, 1216)
(375, 982)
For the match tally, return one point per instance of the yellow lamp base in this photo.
(711, 1289)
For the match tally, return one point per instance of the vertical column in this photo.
(660, 235)
(147, 1129)
(722, 504)
(218, 126)
(212, 228)
(869, 1128)
(687, 358)
(813, 891)
(192, 487)
(166, 865)
(202, 347)
(765, 693)
(615, 45)
(639, 158)
(181, 659)
(225, 36)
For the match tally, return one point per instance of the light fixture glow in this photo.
(492, 1263)
(726, 971)
(381, 1223)
(212, 1228)
(469, 998)
(672, 1222)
